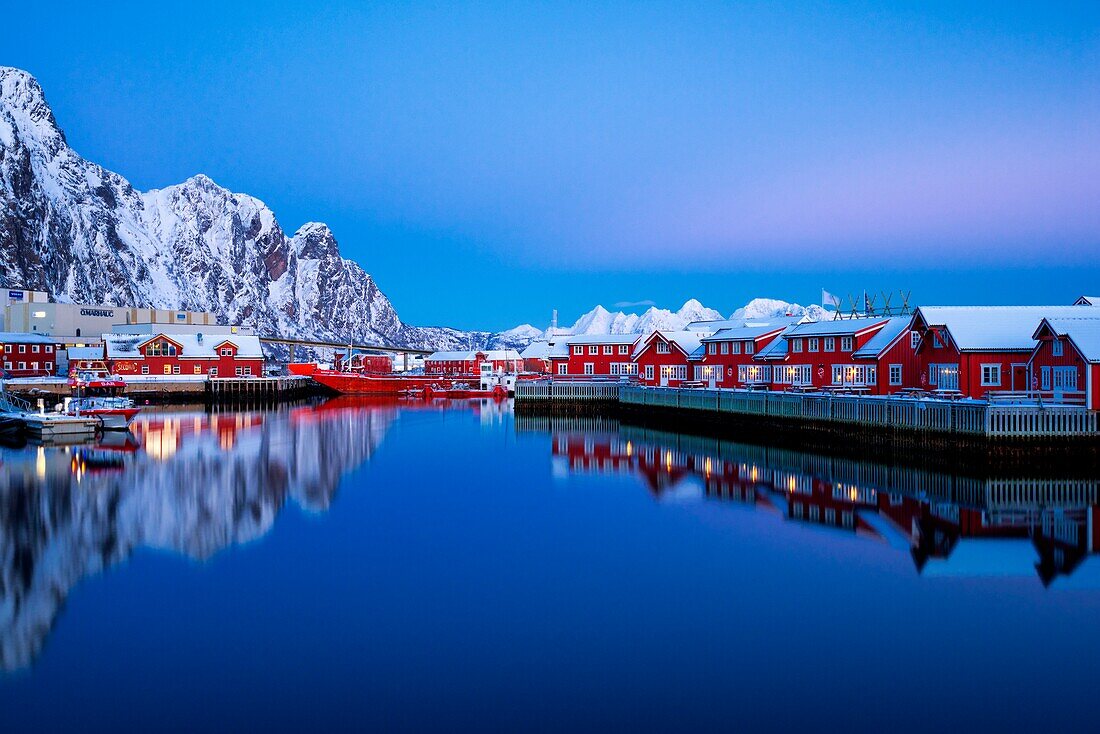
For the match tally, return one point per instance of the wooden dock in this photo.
(257, 389)
(966, 418)
(42, 425)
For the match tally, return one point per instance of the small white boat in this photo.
(98, 394)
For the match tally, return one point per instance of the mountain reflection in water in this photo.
(189, 483)
(951, 525)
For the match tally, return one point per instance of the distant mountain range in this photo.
(601, 321)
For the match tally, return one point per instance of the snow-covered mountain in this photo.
(84, 234)
(601, 321)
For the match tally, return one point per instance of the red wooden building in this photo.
(663, 357)
(594, 355)
(1065, 364)
(27, 355)
(978, 350)
(190, 355)
(892, 352)
(820, 354)
(728, 357)
(469, 362)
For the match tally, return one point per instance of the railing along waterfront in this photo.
(572, 390)
(963, 417)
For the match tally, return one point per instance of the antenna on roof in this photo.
(554, 320)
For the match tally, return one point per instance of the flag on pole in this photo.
(828, 299)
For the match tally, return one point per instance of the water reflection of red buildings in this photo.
(1059, 525)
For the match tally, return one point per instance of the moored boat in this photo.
(98, 394)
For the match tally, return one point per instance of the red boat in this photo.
(99, 394)
(366, 383)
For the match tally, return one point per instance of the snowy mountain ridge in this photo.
(85, 235)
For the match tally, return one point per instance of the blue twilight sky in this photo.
(487, 162)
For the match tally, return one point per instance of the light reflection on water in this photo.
(483, 556)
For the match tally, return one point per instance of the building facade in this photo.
(184, 355)
(27, 355)
(664, 358)
(600, 355)
(469, 362)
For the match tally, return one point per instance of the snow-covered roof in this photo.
(536, 350)
(714, 327)
(836, 327)
(885, 337)
(603, 339)
(471, 355)
(23, 337)
(741, 333)
(1083, 332)
(688, 341)
(993, 328)
(1088, 301)
(128, 346)
(776, 348)
(85, 352)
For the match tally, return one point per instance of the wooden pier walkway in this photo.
(969, 418)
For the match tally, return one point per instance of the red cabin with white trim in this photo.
(663, 357)
(594, 355)
(184, 355)
(469, 362)
(1065, 365)
(728, 358)
(27, 355)
(820, 354)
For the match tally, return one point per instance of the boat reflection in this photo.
(951, 525)
(188, 483)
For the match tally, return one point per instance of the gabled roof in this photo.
(886, 337)
(21, 337)
(742, 333)
(1083, 332)
(536, 350)
(776, 348)
(1087, 301)
(992, 328)
(128, 346)
(718, 324)
(836, 327)
(686, 341)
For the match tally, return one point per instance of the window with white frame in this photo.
(712, 348)
(813, 345)
(175, 369)
(838, 374)
(247, 370)
(663, 347)
(649, 372)
(895, 374)
(237, 371)
(991, 375)
(735, 348)
(1056, 348)
(830, 344)
(589, 368)
(914, 340)
(145, 369)
(213, 371)
(578, 350)
(608, 349)
(22, 365)
(593, 349)
(35, 349)
(22, 348)
(7, 365)
(754, 373)
(563, 368)
(749, 347)
(624, 349)
(845, 343)
(49, 349)
(725, 347)
(796, 345)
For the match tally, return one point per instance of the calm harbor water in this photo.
(401, 566)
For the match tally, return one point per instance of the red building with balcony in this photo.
(663, 357)
(27, 355)
(184, 355)
(594, 355)
(469, 362)
(1065, 364)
